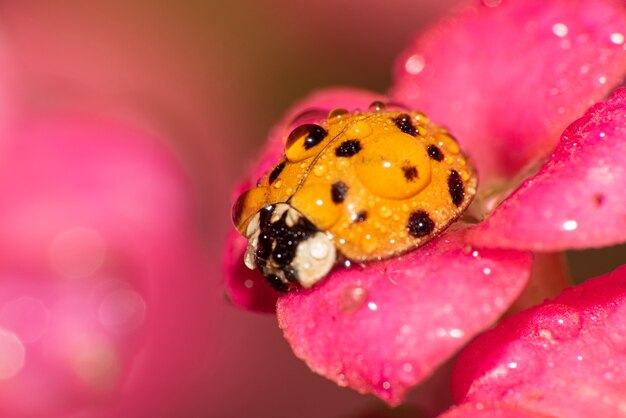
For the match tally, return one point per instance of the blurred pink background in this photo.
(123, 128)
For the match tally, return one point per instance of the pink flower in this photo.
(506, 77)
(564, 358)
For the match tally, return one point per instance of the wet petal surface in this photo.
(576, 199)
(565, 358)
(384, 328)
(508, 76)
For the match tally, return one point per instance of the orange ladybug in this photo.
(356, 186)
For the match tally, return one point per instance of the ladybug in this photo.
(353, 187)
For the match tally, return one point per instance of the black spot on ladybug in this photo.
(420, 224)
(403, 122)
(456, 188)
(435, 153)
(338, 191)
(348, 148)
(314, 134)
(276, 172)
(410, 173)
(360, 217)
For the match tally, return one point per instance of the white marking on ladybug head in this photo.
(315, 257)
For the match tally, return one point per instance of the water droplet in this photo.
(372, 306)
(384, 212)
(570, 225)
(249, 284)
(319, 249)
(456, 333)
(337, 115)
(359, 130)
(617, 38)
(512, 365)
(560, 29)
(486, 271)
(555, 322)
(602, 80)
(342, 380)
(278, 184)
(352, 298)
(415, 64)
(376, 106)
(319, 170)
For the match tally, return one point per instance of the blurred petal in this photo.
(576, 199)
(98, 265)
(244, 287)
(565, 358)
(507, 76)
(385, 327)
(496, 410)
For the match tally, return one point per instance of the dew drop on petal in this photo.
(617, 38)
(456, 333)
(570, 225)
(557, 323)
(560, 29)
(352, 298)
(415, 64)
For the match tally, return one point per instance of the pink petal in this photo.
(100, 275)
(385, 327)
(507, 76)
(576, 199)
(565, 358)
(496, 410)
(245, 288)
